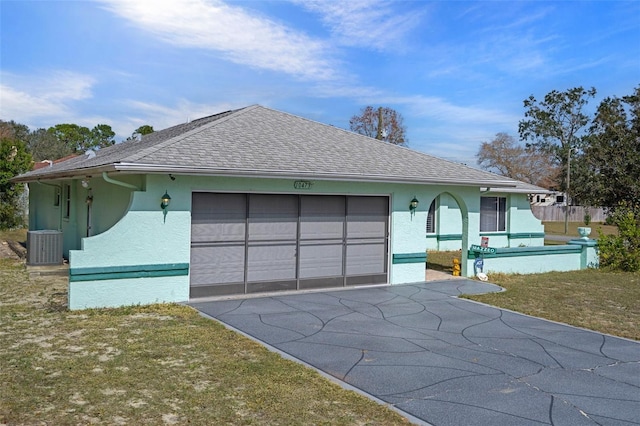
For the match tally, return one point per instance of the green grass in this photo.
(598, 300)
(594, 299)
(160, 364)
(557, 228)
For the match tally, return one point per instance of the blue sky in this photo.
(457, 71)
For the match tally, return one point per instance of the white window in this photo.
(493, 214)
(431, 218)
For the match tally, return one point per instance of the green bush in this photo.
(622, 251)
(10, 216)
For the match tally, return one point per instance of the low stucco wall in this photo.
(577, 254)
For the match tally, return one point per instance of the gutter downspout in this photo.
(106, 177)
(59, 187)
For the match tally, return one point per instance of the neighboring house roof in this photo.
(48, 163)
(262, 142)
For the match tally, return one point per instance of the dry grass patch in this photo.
(442, 260)
(161, 364)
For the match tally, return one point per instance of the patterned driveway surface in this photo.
(449, 361)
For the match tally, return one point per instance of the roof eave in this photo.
(64, 174)
(130, 168)
(517, 190)
(287, 174)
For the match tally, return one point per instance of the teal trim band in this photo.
(449, 237)
(526, 235)
(585, 243)
(527, 251)
(129, 271)
(409, 258)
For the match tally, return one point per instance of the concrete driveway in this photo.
(448, 361)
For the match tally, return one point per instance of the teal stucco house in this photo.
(257, 200)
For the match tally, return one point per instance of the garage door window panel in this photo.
(273, 231)
(322, 224)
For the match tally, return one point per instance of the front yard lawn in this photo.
(604, 301)
(162, 364)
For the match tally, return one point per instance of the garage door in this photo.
(249, 243)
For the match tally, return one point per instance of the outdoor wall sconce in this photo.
(165, 200)
(413, 205)
(164, 203)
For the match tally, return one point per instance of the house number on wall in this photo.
(302, 184)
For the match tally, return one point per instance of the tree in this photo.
(14, 160)
(43, 145)
(141, 131)
(101, 136)
(503, 155)
(73, 136)
(555, 125)
(622, 251)
(80, 138)
(13, 130)
(381, 123)
(610, 163)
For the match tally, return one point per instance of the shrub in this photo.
(622, 251)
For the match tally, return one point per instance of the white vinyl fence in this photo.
(576, 213)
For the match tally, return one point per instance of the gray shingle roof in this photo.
(258, 141)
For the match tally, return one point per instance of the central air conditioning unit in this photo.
(44, 247)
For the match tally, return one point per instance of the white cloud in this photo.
(369, 23)
(242, 37)
(162, 117)
(28, 99)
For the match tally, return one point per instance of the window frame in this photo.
(432, 218)
(67, 200)
(498, 208)
(57, 196)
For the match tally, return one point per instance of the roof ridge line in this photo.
(162, 144)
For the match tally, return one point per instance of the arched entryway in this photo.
(446, 232)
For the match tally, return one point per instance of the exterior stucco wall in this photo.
(522, 227)
(110, 202)
(111, 268)
(43, 214)
(145, 238)
(449, 220)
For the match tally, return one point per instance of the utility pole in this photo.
(566, 195)
(381, 131)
